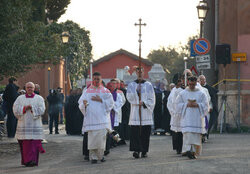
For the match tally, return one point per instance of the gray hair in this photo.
(30, 83)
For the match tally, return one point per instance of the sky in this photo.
(111, 23)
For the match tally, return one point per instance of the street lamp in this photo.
(65, 37)
(202, 9)
(185, 67)
(65, 40)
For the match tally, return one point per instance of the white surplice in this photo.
(147, 96)
(29, 126)
(120, 101)
(175, 122)
(96, 114)
(192, 123)
(205, 90)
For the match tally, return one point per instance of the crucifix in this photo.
(140, 68)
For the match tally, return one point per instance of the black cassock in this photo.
(124, 127)
(166, 117)
(158, 109)
(73, 115)
(10, 94)
(214, 99)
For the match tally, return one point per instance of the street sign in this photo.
(239, 57)
(204, 58)
(205, 65)
(193, 69)
(201, 46)
(192, 52)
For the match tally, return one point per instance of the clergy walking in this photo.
(214, 100)
(140, 124)
(192, 104)
(28, 109)
(177, 137)
(96, 103)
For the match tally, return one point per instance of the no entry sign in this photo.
(201, 46)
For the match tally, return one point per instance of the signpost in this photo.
(238, 58)
(201, 46)
(192, 52)
(193, 69)
(202, 59)
(205, 65)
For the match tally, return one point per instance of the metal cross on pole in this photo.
(140, 68)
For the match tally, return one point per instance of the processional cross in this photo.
(140, 24)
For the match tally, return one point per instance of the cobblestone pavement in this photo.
(223, 154)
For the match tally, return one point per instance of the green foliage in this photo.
(23, 41)
(38, 10)
(171, 58)
(78, 50)
(56, 8)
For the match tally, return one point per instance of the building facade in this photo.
(113, 64)
(232, 26)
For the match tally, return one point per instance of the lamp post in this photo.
(202, 9)
(49, 69)
(185, 67)
(65, 40)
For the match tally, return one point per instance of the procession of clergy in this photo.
(189, 108)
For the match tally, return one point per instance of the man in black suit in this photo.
(214, 99)
(9, 96)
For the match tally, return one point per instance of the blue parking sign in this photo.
(192, 52)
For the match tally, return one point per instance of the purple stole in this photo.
(30, 96)
(206, 123)
(112, 113)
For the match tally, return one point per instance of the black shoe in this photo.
(162, 133)
(103, 159)
(106, 152)
(184, 154)
(136, 154)
(144, 155)
(189, 155)
(178, 152)
(30, 164)
(56, 132)
(203, 140)
(93, 161)
(50, 132)
(86, 158)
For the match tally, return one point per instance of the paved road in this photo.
(223, 154)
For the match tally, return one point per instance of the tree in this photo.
(55, 9)
(171, 58)
(24, 42)
(78, 50)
